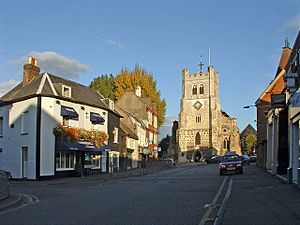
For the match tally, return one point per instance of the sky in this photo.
(80, 40)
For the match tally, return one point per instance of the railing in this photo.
(4, 185)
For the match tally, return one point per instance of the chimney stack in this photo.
(138, 91)
(30, 71)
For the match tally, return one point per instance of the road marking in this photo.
(226, 197)
(206, 215)
(31, 199)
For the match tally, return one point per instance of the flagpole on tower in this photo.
(208, 55)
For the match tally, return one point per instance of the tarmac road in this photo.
(184, 195)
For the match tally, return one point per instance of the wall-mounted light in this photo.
(248, 106)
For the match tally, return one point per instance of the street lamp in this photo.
(248, 106)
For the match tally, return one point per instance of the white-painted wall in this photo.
(13, 141)
(51, 111)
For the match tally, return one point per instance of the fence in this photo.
(4, 188)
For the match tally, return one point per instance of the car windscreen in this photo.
(231, 158)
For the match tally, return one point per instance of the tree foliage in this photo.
(165, 143)
(128, 81)
(250, 142)
(104, 84)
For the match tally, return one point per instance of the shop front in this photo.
(294, 154)
(76, 158)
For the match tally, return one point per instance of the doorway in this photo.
(24, 162)
(197, 156)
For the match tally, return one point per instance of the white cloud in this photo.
(113, 42)
(7, 85)
(291, 26)
(55, 63)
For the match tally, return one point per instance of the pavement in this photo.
(259, 198)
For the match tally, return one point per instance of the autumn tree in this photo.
(128, 81)
(250, 143)
(104, 84)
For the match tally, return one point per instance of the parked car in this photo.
(245, 159)
(252, 158)
(214, 159)
(231, 164)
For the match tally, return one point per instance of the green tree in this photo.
(104, 84)
(164, 145)
(250, 143)
(128, 81)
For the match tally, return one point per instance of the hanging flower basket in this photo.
(75, 134)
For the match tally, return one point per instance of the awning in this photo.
(95, 118)
(105, 148)
(68, 112)
(67, 145)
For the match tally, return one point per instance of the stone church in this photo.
(204, 129)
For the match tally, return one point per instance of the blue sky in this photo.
(82, 39)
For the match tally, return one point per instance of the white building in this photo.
(30, 111)
(293, 91)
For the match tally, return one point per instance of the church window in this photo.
(194, 90)
(197, 139)
(198, 119)
(201, 91)
(226, 144)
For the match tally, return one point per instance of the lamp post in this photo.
(248, 106)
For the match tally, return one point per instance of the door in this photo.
(24, 162)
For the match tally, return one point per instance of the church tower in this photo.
(201, 119)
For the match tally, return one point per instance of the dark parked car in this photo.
(214, 159)
(231, 164)
(252, 158)
(245, 159)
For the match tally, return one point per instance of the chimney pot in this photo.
(30, 71)
(138, 91)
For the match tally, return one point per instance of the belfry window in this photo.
(197, 139)
(194, 90)
(201, 90)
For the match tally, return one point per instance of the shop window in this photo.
(96, 161)
(65, 160)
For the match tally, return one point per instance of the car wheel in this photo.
(221, 174)
(242, 172)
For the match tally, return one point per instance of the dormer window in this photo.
(66, 91)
